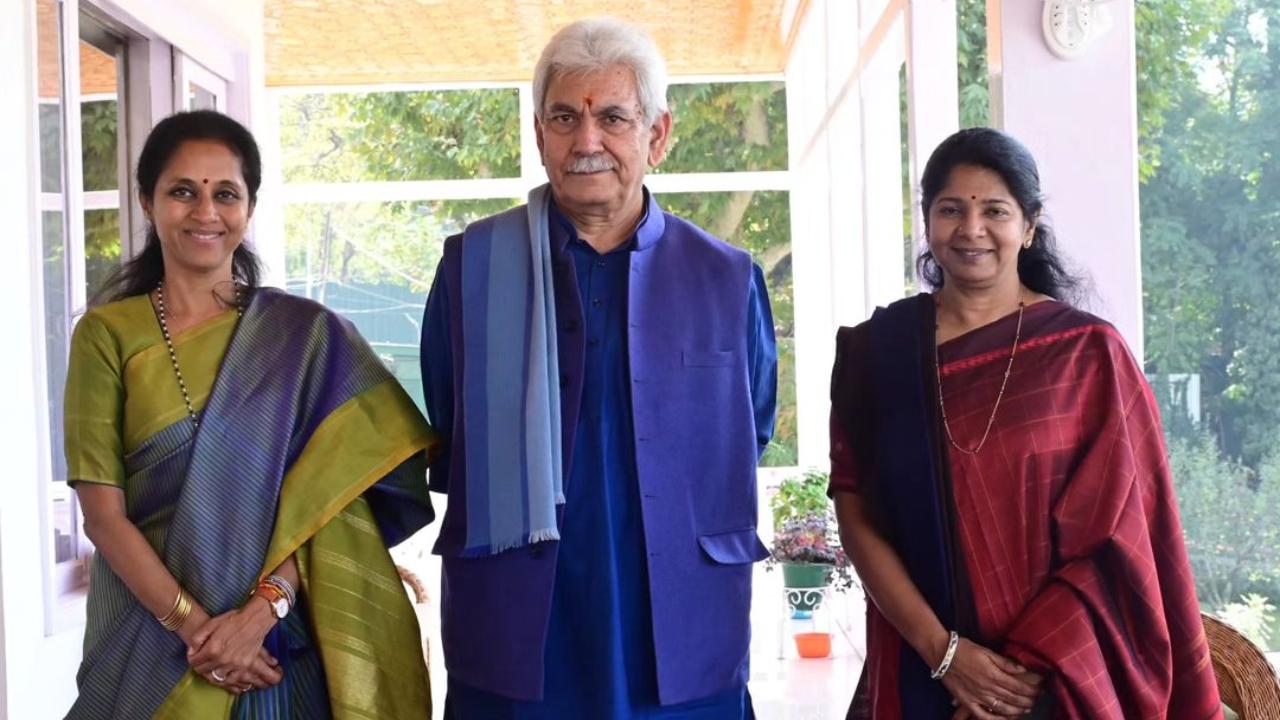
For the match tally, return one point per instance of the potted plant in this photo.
(806, 541)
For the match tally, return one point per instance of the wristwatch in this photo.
(279, 606)
(276, 599)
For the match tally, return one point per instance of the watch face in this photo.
(281, 608)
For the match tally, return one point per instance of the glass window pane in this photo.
(99, 88)
(49, 63)
(56, 328)
(759, 221)
(100, 145)
(389, 136)
(102, 247)
(50, 145)
(100, 152)
(1208, 97)
(971, 63)
(724, 127)
(373, 263)
(199, 98)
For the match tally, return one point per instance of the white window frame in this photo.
(188, 71)
(59, 579)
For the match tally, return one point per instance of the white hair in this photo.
(594, 44)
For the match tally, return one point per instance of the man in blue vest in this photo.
(604, 375)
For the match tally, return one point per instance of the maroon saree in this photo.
(1070, 550)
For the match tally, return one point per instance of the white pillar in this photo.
(933, 95)
(1079, 119)
(811, 234)
(884, 264)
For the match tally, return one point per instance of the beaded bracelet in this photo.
(945, 665)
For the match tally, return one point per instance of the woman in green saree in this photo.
(243, 460)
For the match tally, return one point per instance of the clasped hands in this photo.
(227, 650)
(986, 685)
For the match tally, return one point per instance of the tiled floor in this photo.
(794, 688)
(800, 689)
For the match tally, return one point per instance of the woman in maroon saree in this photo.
(1001, 481)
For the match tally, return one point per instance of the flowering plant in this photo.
(811, 539)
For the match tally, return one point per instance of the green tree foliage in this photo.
(1208, 109)
(971, 63)
(389, 136)
(1228, 519)
(1209, 84)
(395, 136)
(100, 142)
(725, 127)
(375, 243)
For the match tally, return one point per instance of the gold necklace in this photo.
(173, 356)
(937, 368)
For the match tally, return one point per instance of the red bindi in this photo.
(206, 181)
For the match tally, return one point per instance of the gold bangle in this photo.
(183, 612)
(167, 618)
(178, 615)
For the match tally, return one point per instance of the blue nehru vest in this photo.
(696, 448)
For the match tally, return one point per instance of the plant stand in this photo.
(814, 598)
(801, 577)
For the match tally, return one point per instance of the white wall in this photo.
(37, 669)
(21, 600)
(933, 94)
(1079, 119)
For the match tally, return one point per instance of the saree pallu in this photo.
(307, 446)
(1059, 540)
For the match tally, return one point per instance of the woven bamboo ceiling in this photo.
(363, 42)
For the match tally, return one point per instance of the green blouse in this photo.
(121, 386)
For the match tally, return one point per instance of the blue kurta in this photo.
(599, 653)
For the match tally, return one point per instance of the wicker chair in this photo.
(1246, 681)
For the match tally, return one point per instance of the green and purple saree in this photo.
(307, 446)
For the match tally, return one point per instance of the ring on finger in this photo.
(218, 676)
(994, 706)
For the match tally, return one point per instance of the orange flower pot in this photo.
(813, 644)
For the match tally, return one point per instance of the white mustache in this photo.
(591, 164)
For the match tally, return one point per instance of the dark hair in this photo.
(1040, 267)
(142, 273)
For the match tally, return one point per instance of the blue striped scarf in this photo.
(511, 370)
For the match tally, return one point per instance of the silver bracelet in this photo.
(945, 665)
